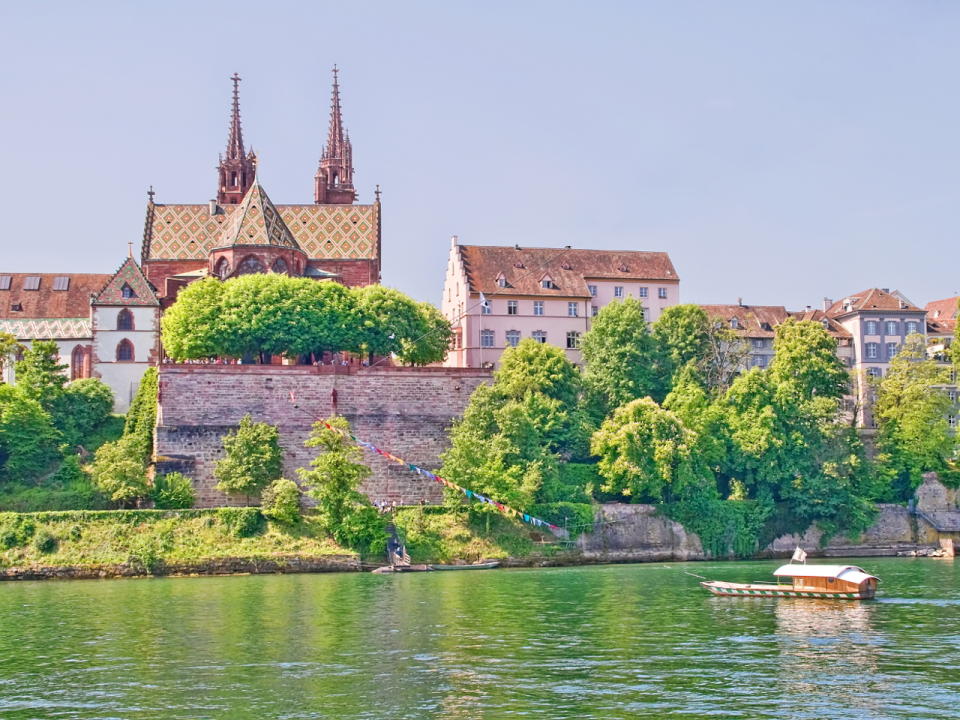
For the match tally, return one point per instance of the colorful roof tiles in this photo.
(190, 232)
(48, 328)
(128, 287)
(256, 222)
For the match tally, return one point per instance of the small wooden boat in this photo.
(475, 566)
(843, 582)
(401, 568)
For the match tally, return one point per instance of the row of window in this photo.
(488, 338)
(618, 291)
(32, 282)
(513, 308)
(872, 350)
(890, 327)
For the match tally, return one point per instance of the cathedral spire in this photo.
(333, 182)
(237, 168)
(235, 140)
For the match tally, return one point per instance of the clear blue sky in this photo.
(780, 152)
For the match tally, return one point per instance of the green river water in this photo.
(621, 641)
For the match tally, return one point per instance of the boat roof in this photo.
(850, 573)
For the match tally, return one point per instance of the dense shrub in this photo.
(83, 406)
(69, 488)
(119, 473)
(252, 458)
(173, 491)
(44, 542)
(241, 521)
(28, 440)
(142, 415)
(281, 501)
(15, 530)
(575, 517)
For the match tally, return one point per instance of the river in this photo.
(607, 642)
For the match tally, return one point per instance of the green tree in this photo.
(683, 332)
(8, 349)
(142, 415)
(252, 458)
(328, 318)
(28, 439)
(806, 357)
(261, 315)
(119, 474)
(191, 328)
(388, 319)
(432, 339)
(40, 374)
(690, 401)
(622, 360)
(725, 355)
(646, 453)
(334, 479)
(911, 414)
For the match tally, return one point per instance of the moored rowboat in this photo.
(841, 582)
(475, 566)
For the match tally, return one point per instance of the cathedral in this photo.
(108, 325)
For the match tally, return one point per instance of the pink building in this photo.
(548, 294)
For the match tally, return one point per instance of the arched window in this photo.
(78, 363)
(124, 320)
(222, 268)
(250, 265)
(280, 266)
(125, 351)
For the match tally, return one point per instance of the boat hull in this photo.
(478, 566)
(742, 590)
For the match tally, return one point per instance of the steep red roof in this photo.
(46, 302)
(871, 299)
(524, 268)
(942, 314)
(830, 325)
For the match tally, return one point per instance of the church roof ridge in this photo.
(129, 274)
(257, 222)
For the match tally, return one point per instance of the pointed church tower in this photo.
(333, 183)
(237, 168)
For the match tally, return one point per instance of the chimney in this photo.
(740, 302)
(212, 207)
(886, 290)
(808, 308)
(827, 302)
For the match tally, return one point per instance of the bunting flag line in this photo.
(469, 494)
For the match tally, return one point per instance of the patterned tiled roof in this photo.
(872, 299)
(256, 222)
(524, 268)
(942, 314)
(45, 302)
(132, 276)
(48, 328)
(190, 232)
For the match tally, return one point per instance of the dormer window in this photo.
(624, 268)
(127, 292)
(765, 326)
(735, 323)
(501, 280)
(547, 283)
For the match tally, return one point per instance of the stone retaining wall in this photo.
(406, 411)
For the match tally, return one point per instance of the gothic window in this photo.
(280, 266)
(222, 268)
(127, 292)
(78, 363)
(125, 320)
(250, 265)
(125, 351)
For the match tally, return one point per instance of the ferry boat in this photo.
(842, 582)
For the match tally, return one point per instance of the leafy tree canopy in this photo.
(622, 360)
(40, 375)
(806, 357)
(252, 458)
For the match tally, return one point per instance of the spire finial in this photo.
(377, 192)
(130, 248)
(151, 193)
(235, 139)
(334, 178)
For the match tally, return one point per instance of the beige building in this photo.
(496, 296)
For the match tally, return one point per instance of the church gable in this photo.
(257, 222)
(128, 287)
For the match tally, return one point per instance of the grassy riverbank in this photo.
(225, 540)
